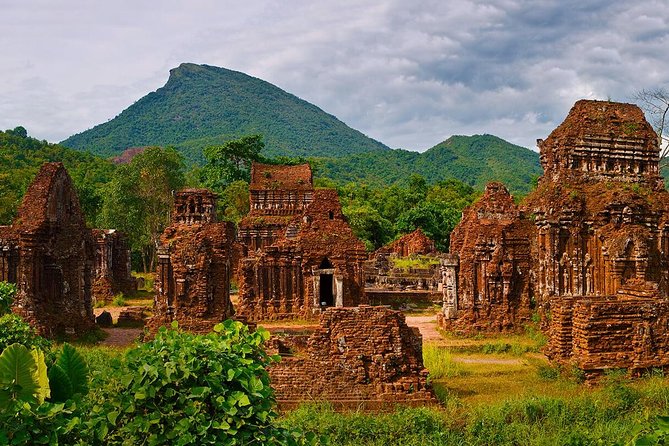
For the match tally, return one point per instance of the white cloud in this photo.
(407, 73)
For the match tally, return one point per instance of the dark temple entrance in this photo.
(326, 294)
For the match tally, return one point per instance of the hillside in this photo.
(474, 160)
(202, 105)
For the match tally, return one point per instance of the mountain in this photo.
(474, 160)
(202, 105)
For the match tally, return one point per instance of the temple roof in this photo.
(50, 198)
(283, 177)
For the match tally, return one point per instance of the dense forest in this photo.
(135, 197)
(474, 160)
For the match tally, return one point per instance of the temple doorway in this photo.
(326, 284)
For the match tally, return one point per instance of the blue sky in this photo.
(408, 73)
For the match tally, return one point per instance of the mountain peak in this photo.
(202, 105)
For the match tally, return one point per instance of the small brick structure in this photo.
(48, 253)
(387, 284)
(629, 330)
(195, 263)
(414, 243)
(316, 262)
(364, 357)
(113, 273)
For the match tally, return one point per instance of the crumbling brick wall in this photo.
(48, 253)
(358, 357)
(600, 333)
(597, 221)
(316, 262)
(192, 279)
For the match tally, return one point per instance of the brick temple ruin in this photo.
(300, 255)
(358, 358)
(598, 233)
(112, 266)
(492, 247)
(313, 263)
(50, 254)
(388, 284)
(195, 265)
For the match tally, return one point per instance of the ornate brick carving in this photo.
(599, 242)
(493, 281)
(194, 265)
(277, 193)
(316, 262)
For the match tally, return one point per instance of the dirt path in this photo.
(427, 326)
(121, 337)
(488, 360)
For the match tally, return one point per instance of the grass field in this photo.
(500, 390)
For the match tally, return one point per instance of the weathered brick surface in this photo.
(599, 241)
(386, 284)
(492, 243)
(48, 253)
(195, 262)
(277, 193)
(358, 357)
(112, 265)
(316, 259)
(414, 243)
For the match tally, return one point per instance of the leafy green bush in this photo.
(13, 330)
(23, 375)
(25, 417)
(7, 293)
(119, 300)
(183, 388)
(68, 376)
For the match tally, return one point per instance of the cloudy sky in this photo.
(408, 73)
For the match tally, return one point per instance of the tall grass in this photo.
(439, 362)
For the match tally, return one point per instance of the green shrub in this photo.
(119, 300)
(183, 388)
(13, 330)
(23, 423)
(7, 293)
(25, 384)
(68, 376)
(23, 375)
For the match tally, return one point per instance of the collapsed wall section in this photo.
(359, 357)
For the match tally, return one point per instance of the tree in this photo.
(368, 225)
(231, 161)
(655, 102)
(235, 201)
(437, 220)
(139, 198)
